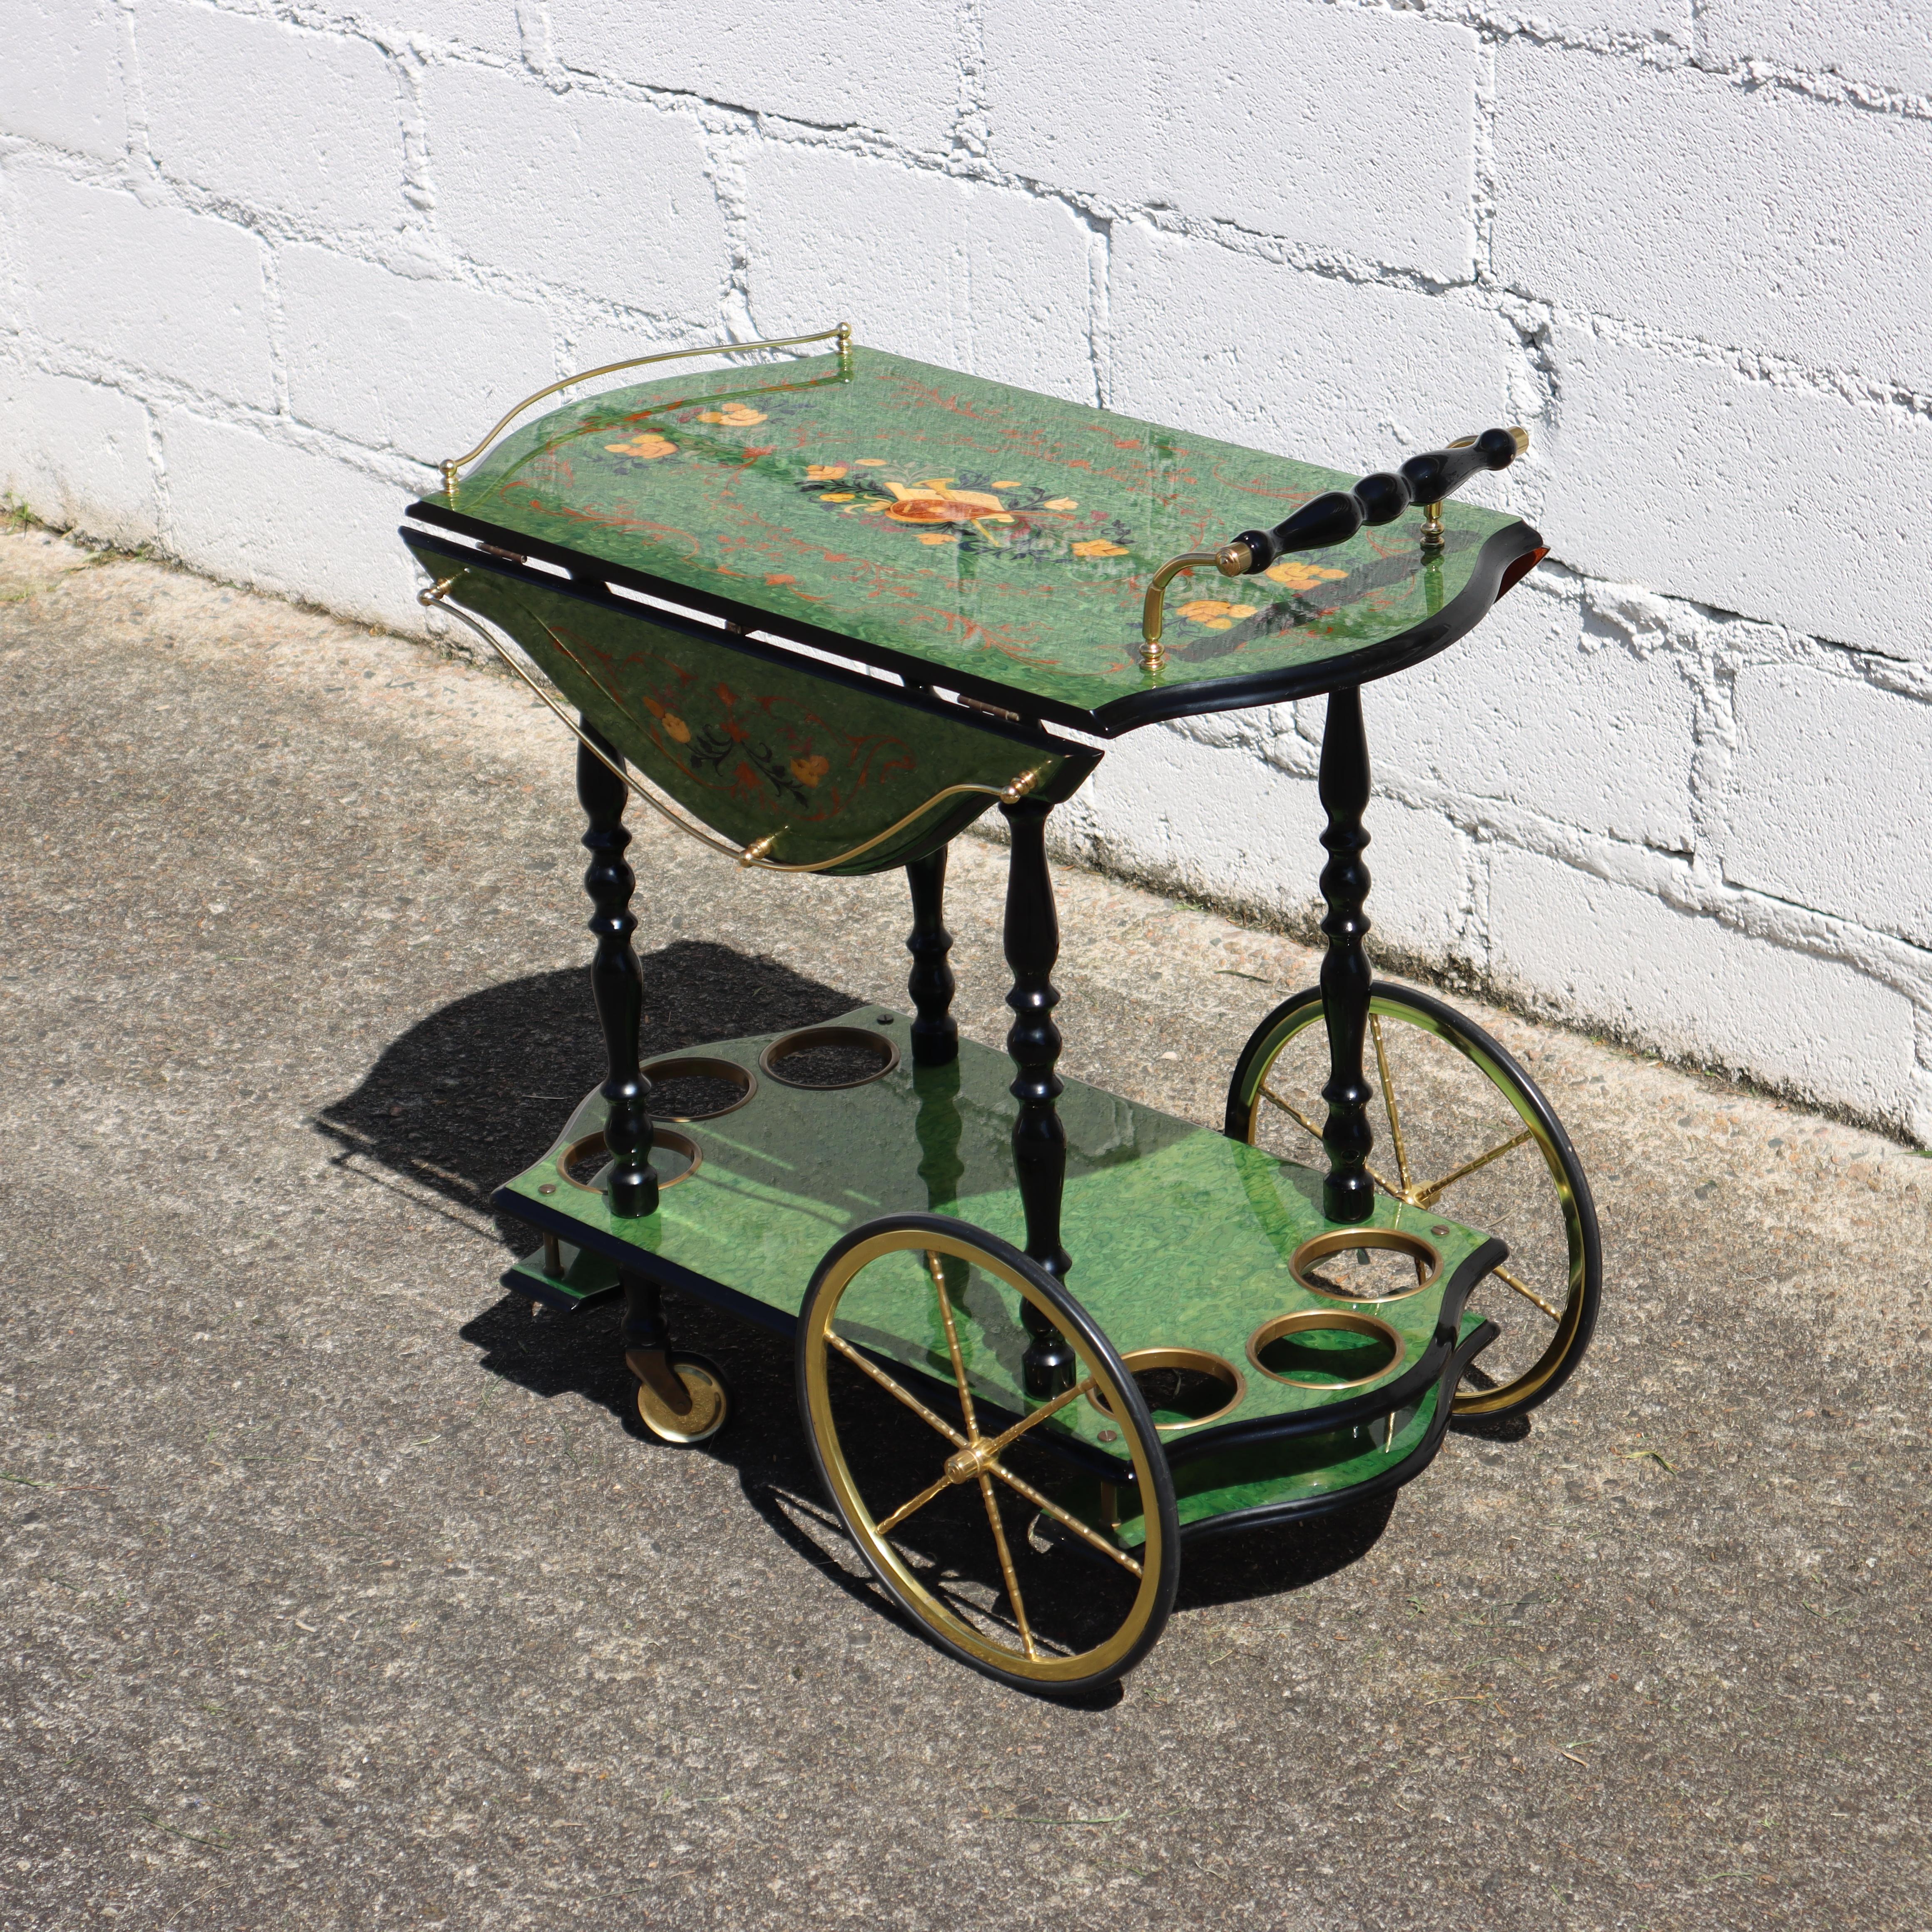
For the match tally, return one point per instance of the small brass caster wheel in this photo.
(681, 1398)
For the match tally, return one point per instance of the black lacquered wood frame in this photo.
(1503, 558)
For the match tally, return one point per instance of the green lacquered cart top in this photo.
(1180, 1236)
(1000, 538)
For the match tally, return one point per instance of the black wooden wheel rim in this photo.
(1121, 1602)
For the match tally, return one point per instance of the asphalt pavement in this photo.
(336, 1591)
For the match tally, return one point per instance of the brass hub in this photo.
(965, 1466)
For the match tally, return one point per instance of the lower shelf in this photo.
(1247, 1486)
(1182, 1239)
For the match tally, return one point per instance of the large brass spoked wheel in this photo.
(1460, 1129)
(937, 1485)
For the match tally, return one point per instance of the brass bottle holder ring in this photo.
(700, 1066)
(669, 1138)
(788, 1046)
(1324, 1321)
(1303, 1262)
(1198, 1361)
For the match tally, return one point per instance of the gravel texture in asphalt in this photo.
(336, 1592)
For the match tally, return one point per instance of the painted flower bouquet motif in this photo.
(973, 511)
(970, 512)
(654, 434)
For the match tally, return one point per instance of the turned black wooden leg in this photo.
(616, 981)
(1039, 1140)
(647, 1340)
(935, 1033)
(1347, 1194)
(644, 1312)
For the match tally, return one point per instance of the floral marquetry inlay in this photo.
(970, 525)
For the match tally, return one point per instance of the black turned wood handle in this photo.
(1336, 516)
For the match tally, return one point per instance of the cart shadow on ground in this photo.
(474, 1092)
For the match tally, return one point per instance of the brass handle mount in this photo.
(1232, 559)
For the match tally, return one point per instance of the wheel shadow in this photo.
(1493, 1428)
(1240, 1568)
(764, 1445)
(475, 1092)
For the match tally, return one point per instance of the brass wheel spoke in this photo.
(1308, 1127)
(1528, 1293)
(1060, 1516)
(918, 1502)
(1388, 1101)
(1006, 1563)
(1040, 1415)
(905, 1395)
(1293, 1112)
(1425, 1197)
(935, 1268)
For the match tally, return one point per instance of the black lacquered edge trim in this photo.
(917, 672)
(1457, 619)
(1394, 1477)
(1080, 758)
(1372, 1402)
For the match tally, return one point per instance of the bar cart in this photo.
(822, 613)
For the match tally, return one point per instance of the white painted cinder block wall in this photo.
(264, 261)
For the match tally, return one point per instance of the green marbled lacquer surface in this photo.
(980, 527)
(752, 747)
(1179, 1236)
